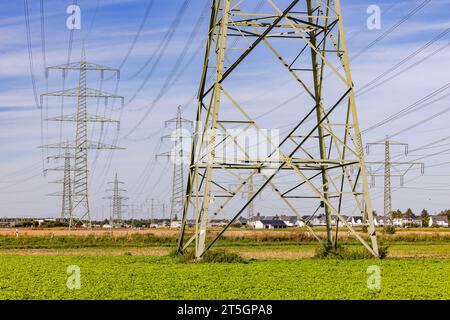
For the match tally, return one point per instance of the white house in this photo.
(439, 221)
(356, 221)
(175, 224)
(397, 222)
(412, 222)
(290, 221)
(269, 224)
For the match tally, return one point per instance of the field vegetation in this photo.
(130, 277)
(140, 264)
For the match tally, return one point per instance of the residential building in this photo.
(439, 221)
(270, 224)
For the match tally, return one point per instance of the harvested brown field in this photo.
(239, 234)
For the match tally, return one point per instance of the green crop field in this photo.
(280, 265)
(130, 277)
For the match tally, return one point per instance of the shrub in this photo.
(344, 253)
(211, 256)
(389, 230)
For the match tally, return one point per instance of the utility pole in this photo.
(178, 156)
(116, 218)
(387, 165)
(328, 120)
(81, 144)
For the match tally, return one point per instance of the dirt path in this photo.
(246, 253)
(90, 252)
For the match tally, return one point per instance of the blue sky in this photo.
(108, 28)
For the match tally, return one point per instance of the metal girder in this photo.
(87, 93)
(90, 145)
(334, 177)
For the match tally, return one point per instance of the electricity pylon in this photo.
(402, 169)
(66, 194)
(179, 158)
(327, 119)
(117, 205)
(81, 144)
(247, 193)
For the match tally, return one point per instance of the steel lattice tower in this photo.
(81, 144)
(334, 178)
(387, 180)
(117, 205)
(179, 157)
(402, 169)
(67, 201)
(66, 182)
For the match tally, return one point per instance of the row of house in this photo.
(284, 221)
(279, 222)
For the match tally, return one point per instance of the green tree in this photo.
(397, 214)
(409, 214)
(445, 213)
(425, 216)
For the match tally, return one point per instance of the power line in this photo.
(30, 53)
(392, 29)
(418, 105)
(363, 89)
(138, 33)
(168, 82)
(161, 47)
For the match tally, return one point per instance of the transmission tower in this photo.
(66, 194)
(307, 41)
(81, 144)
(402, 169)
(179, 158)
(116, 218)
(247, 193)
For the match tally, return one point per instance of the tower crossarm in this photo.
(89, 118)
(89, 93)
(91, 145)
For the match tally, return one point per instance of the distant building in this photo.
(175, 224)
(412, 222)
(290, 221)
(270, 224)
(313, 221)
(439, 221)
(219, 222)
(356, 221)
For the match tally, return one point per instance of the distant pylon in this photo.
(179, 158)
(402, 168)
(81, 144)
(66, 182)
(117, 205)
(248, 193)
(306, 40)
(67, 202)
